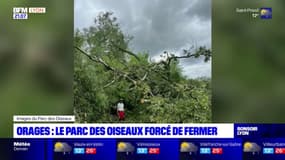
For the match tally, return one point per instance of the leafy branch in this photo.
(107, 66)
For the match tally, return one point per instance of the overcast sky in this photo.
(157, 26)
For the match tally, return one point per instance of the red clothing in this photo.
(121, 115)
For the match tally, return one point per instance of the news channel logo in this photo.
(22, 12)
(266, 13)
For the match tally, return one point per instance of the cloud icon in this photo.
(188, 147)
(125, 147)
(251, 147)
(62, 147)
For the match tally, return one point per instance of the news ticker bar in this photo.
(166, 149)
(126, 130)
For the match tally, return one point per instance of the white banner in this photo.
(123, 130)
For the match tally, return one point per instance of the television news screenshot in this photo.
(142, 80)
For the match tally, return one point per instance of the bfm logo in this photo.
(20, 13)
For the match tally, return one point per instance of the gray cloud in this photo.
(157, 25)
(202, 10)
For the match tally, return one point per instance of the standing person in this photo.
(121, 110)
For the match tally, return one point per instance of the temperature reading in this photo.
(279, 150)
(90, 151)
(255, 15)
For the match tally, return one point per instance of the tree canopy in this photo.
(105, 70)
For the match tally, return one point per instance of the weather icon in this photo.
(188, 147)
(266, 13)
(125, 147)
(62, 147)
(251, 147)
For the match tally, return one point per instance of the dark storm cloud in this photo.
(156, 25)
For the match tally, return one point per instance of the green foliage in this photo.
(152, 92)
